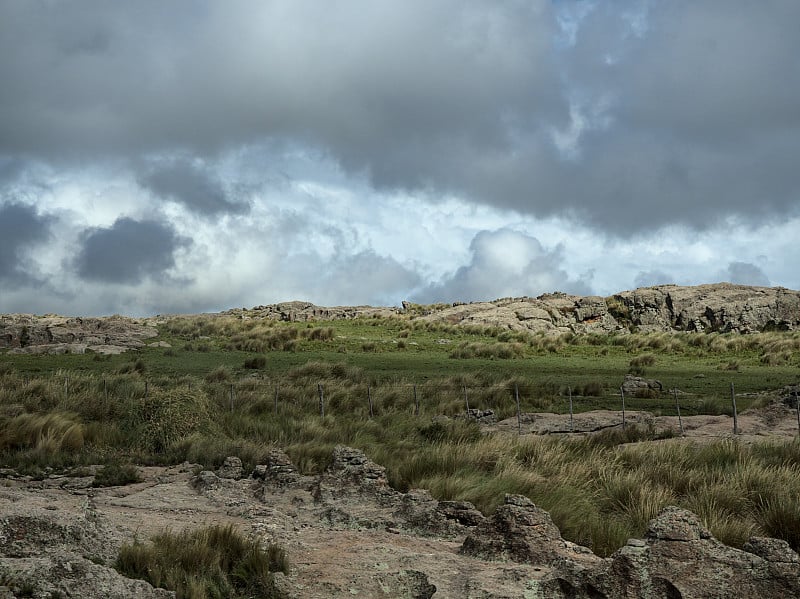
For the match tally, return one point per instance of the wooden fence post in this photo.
(369, 397)
(321, 400)
(678, 408)
(466, 400)
(622, 394)
(735, 416)
(231, 396)
(797, 409)
(519, 415)
(571, 424)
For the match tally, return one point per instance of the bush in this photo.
(219, 375)
(163, 418)
(589, 389)
(217, 561)
(256, 363)
(116, 474)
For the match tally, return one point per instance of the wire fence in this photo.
(433, 398)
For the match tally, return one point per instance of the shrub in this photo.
(137, 365)
(589, 389)
(256, 363)
(217, 561)
(163, 418)
(218, 375)
(116, 474)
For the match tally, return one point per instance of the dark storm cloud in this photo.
(652, 277)
(190, 185)
(128, 251)
(21, 230)
(744, 273)
(672, 112)
(505, 263)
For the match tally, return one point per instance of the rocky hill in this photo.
(721, 307)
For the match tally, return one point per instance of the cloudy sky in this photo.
(184, 156)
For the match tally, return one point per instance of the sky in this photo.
(195, 155)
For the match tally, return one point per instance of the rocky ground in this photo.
(348, 534)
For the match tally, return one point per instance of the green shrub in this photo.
(219, 375)
(116, 474)
(256, 363)
(165, 417)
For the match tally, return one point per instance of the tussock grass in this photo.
(217, 561)
(600, 490)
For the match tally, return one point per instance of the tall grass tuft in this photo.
(217, 561)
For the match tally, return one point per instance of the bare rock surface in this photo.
(347, 534)
(722, 307)
(28, 333)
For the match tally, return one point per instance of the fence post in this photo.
(622, 394)
(519, 415)
(571, 424)
(797, 409)
(735, 417)
(321, 400)
(678, 408)
(231, 394)
(369, 397)
(416, 402)
(466, 400)
(66, 387)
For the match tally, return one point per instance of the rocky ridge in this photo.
(28, 333)
(721, 307)
(348, 533)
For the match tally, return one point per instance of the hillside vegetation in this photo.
(398, 388)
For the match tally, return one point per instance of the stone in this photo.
(518, 531)
(206, 481)
(635, 385)
(231, 468)
(351, 472)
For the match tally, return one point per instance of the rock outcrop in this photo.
(347, 533)
(678, 558)
(27, 333)
(306, 311)
(721, 307)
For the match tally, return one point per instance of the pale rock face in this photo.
(721, 307)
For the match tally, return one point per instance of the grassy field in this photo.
(213, 393)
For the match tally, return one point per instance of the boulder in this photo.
(634, 385)
(231, 468)
(351, 472)
(680, 558)
(521, 532)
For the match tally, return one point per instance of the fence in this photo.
(369, 400)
